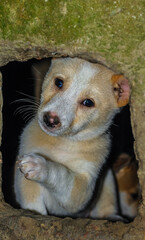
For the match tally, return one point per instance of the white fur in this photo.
(106, 205)
(126, 209)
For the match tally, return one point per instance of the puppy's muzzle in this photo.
(51, 120)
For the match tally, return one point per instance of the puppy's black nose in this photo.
(51, 120)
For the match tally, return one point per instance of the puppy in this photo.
(125, 169)
(64, 147)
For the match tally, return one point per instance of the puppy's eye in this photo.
(88, 103)
(59, 82)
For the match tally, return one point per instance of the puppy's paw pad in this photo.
(32, 166)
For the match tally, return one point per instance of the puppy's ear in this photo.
(122, 161)
(121, 89)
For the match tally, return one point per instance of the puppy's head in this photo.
(80, 98)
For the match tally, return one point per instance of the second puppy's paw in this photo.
(33, 166)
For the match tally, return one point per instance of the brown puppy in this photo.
(128, 184)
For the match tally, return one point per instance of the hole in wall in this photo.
(18, 79)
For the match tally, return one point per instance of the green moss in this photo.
(74, 21)
(112, 28)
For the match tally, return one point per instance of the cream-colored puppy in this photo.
(63, 149)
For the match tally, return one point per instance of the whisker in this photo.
(27, 95)
(28, 106)
(29, 109)
(24, 111)
(27, 116)
(30, 99)
(43, 75)
(26, 100)
(113, 124)
(33, 78)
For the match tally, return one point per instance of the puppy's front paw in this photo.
(33, 166)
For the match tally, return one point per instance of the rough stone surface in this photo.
(111, 32)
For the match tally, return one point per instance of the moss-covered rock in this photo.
(114, 30)
(109, 31)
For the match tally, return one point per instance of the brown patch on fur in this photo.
(123, 160)
(121, 89)
(128, 183)
(80, 183)
(127, 178)
(47, 98)
(30, 190)
(126, 172)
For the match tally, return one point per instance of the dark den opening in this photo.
(18, 82)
